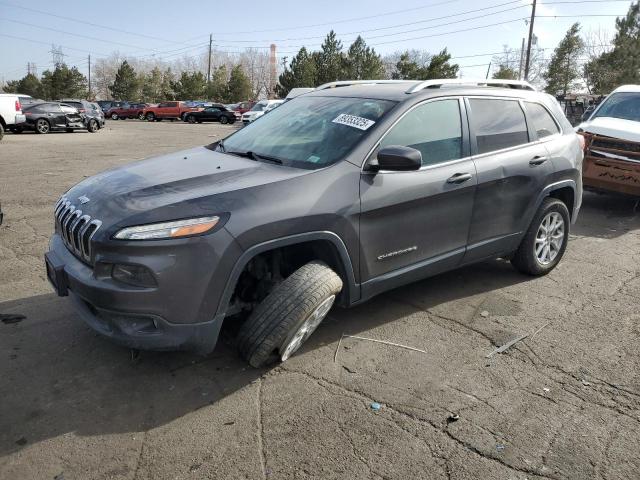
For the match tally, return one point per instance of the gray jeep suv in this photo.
(336, 196)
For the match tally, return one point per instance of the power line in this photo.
(405, 24)
(84, 22)
(76, 34)
(299, 27)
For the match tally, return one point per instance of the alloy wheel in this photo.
(306, 329)
(42, 126)
(549, 238)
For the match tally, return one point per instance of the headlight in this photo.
(177, 229)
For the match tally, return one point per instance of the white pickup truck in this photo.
(10, 112)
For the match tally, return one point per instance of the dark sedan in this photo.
(214, 113)
(51, 116)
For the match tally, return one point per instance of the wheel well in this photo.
(265, 270)
(566, 196)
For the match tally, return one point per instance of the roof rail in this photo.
(516, 84)
(347, 83)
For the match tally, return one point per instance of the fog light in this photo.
(135, 275)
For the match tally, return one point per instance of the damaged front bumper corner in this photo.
(612, 164)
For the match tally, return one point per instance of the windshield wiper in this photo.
(258, 157)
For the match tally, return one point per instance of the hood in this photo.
(613, 127)
(178, 185)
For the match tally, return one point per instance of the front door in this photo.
(414, 224)
(512, 169)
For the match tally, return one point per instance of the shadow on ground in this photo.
(58, 376)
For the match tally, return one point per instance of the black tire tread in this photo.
(283, 309)
(523, 259)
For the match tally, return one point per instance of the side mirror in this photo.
(396, 158)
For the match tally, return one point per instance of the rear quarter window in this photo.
(543, 122)
(498, 124)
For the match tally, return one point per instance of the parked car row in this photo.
(189, 111)
(19, 113)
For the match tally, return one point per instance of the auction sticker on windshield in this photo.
(353, 121)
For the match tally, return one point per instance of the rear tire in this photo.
(150, 117)
(141, 116)
(546, 239)
(191, 119)
(114, 116)
(224, 120)
(42, 126)
(291, 312)
(1, 131)
(92, 126)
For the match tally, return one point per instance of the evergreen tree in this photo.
(239, 86)
(125, 85)
(330, 60)
(63, 82)
(302, 73)
(191, 86)
(166, 89)
(362, 62)
(622, 64)
(28, 85)
(564, 66)
(407, 69)
(505, 73)
(151, 86)
(438, 67)
(218, 88)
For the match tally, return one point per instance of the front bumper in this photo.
(160, 318)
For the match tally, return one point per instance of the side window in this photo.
(68, 109)
(498, 124)
(543, 122)
(164, 104)
(51, 108)
(172, 104)
(434, 128)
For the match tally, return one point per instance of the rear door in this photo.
(161, 110)
(72, 117)
(54, 114)
(414, 224)
(512, 169)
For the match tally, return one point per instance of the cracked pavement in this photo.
(561, 404)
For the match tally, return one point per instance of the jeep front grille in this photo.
(76, 229)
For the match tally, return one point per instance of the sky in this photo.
(472, 31)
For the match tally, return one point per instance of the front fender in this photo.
(352, 289)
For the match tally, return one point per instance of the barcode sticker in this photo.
(353, 121)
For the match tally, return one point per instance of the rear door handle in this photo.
(459, 178)
(538, 160)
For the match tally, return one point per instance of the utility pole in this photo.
(89, 76)
(209, 64)
(533, 17)
(521, 60)
(488, 70)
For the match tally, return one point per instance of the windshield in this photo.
(624, 105)
(309, 132)
(258, 107)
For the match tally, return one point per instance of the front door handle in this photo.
(538, 160)
(459, 178)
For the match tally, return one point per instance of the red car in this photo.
(171, 110)
(127, 110)
(244, 107)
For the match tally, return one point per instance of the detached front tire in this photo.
(288, 316)
(546, 239)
